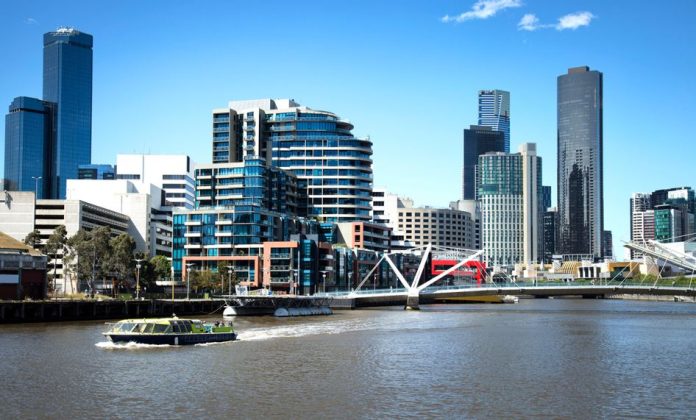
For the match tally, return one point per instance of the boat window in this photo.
(175, 326)
(160, 328)
(140, 327)
(124, 327)
(149, 328)
(186, 326)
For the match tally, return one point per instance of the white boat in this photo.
(510, 299)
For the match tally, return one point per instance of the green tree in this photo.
(161, 267)
(55, 246)
(120, 260)
(202, 280)
(91, 249)
(33, 238)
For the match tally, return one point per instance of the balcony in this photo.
(192, 235)
(192, 223)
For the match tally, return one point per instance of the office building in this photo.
(494, 112)
(67, 82)
(47, 140)
(511, 219)
(580, 162)
(477, 141)
(28, 130)
(418, 226)
(550, 234)
(20, 214)
(316, 146)
(96, 171)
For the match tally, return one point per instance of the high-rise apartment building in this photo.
(511, 219)
(316, 146)
(667, 215)
(477, 141)
(67, 82)
(580, 162)
(494, 112)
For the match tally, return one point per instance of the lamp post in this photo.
(323, 281)
(172, 283)
(36, 186)
(230, 271)
(137, 279)
(188, 279)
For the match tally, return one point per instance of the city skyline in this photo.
(164, 106)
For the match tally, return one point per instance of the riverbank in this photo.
(653, 298)
(84, 310)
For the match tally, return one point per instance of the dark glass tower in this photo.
(477, 141)
(28, 125)
(67, 82)
(580, 185)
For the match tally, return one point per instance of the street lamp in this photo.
(323, 281)
(36, 185)
(137, 281)
(172, 283)
(230, 271)
(188, 279)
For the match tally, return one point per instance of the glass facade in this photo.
(28, 125)
(580, 162)
(67, 81)
(477, 141)
(96, 171)
(331, 165)
(494, 112)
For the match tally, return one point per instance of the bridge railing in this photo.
(578, 284)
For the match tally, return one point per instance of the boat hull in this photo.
(172, 339)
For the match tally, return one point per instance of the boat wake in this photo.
(292, 331)
(108, 345)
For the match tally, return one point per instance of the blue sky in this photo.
(405, 73)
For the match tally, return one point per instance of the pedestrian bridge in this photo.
(412, 293)
(399, 296)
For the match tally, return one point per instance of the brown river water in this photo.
(558, 358)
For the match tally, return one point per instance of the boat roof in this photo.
(158, 320)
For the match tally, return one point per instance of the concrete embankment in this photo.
(80, 310)
(654, 298)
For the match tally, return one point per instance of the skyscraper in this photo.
(28, 125)
(67, 82)
(318, 147)
(477, 141)
(511, 218)
(494, 112)
(580, 161)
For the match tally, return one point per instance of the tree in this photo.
(91, 249)
(33, 238)
(54, 246)
(161, 267)
(204, 280)
(120, 261)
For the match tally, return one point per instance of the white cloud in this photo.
(574, 20)
(529, 22)
(483, 9)
(31, 21)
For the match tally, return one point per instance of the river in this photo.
(538, 358)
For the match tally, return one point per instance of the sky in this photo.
(405, 73)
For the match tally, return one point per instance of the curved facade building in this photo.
(317, 147)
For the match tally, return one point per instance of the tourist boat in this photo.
(172, 331)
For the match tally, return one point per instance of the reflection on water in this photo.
(538, 358)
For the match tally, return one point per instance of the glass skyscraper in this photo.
(580, 162)
(494, 112)
(27, 126)
(477, 141)
(67, 82)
